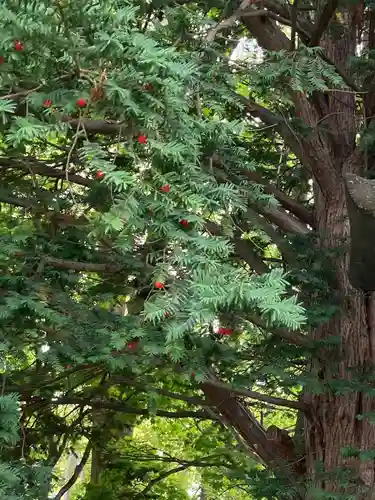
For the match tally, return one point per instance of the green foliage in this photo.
(149, 182)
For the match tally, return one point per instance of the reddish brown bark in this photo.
(328, 153)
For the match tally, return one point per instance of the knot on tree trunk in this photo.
(360, 196)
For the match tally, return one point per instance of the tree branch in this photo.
(360, 197)
(289, 336)
(227, 23)
(270, 118)
(300, 211)
(127, 409)
(242, 420)
(160, 477)
(323, 21)
(104, 127)
(60, 174)
(266, 32)
(76, 473)
(193, 400)
(243, 250)
(283, 220)
(77, 266)
(82, 266)
(241, 12)
(295, 405)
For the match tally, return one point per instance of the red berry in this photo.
(166, 314)
(18, 46)
(159, 285)
(165, 189)
(99, 174)
(224, 331)
(184, 222)
(81, 103)
(2, 60)
(148, 87)
(142, 139)
(47, 103)
(192, 374)
(133, 345)
(68, 367)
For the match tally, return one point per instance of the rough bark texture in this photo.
(332, 159)
(332, 423)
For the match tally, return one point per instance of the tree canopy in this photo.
(186, 249)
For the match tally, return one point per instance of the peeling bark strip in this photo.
(361, 211)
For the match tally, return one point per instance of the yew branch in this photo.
(295, 405)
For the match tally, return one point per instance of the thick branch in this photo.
(284, 11)
(303, 213)
(60, 174)
(296, 405)
(323, 21)
(268, 35)
(104, 127)
(77, 266)
(289, 336)
(278, 239)
(35, 166)
(237, 416)
(361, 211)
(82, 266)
(283, 220)
(285, 130)
(242, 249)
(227, 23)
(242, 420)
(245, 13)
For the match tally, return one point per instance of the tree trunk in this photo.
(332, 422)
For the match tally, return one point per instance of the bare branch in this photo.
(242, 420)
(77, 266)
(193, 400)
(76, 473)
(104, 127)
(300, 211)
(81, 266)
(227, 23)
(61, 174)
(267, 33)
(296, 338)
(295, 405)
(243, 250)
(160, 477)
(323, 21)
(294, 26)
(286, 222)
(127, 409)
